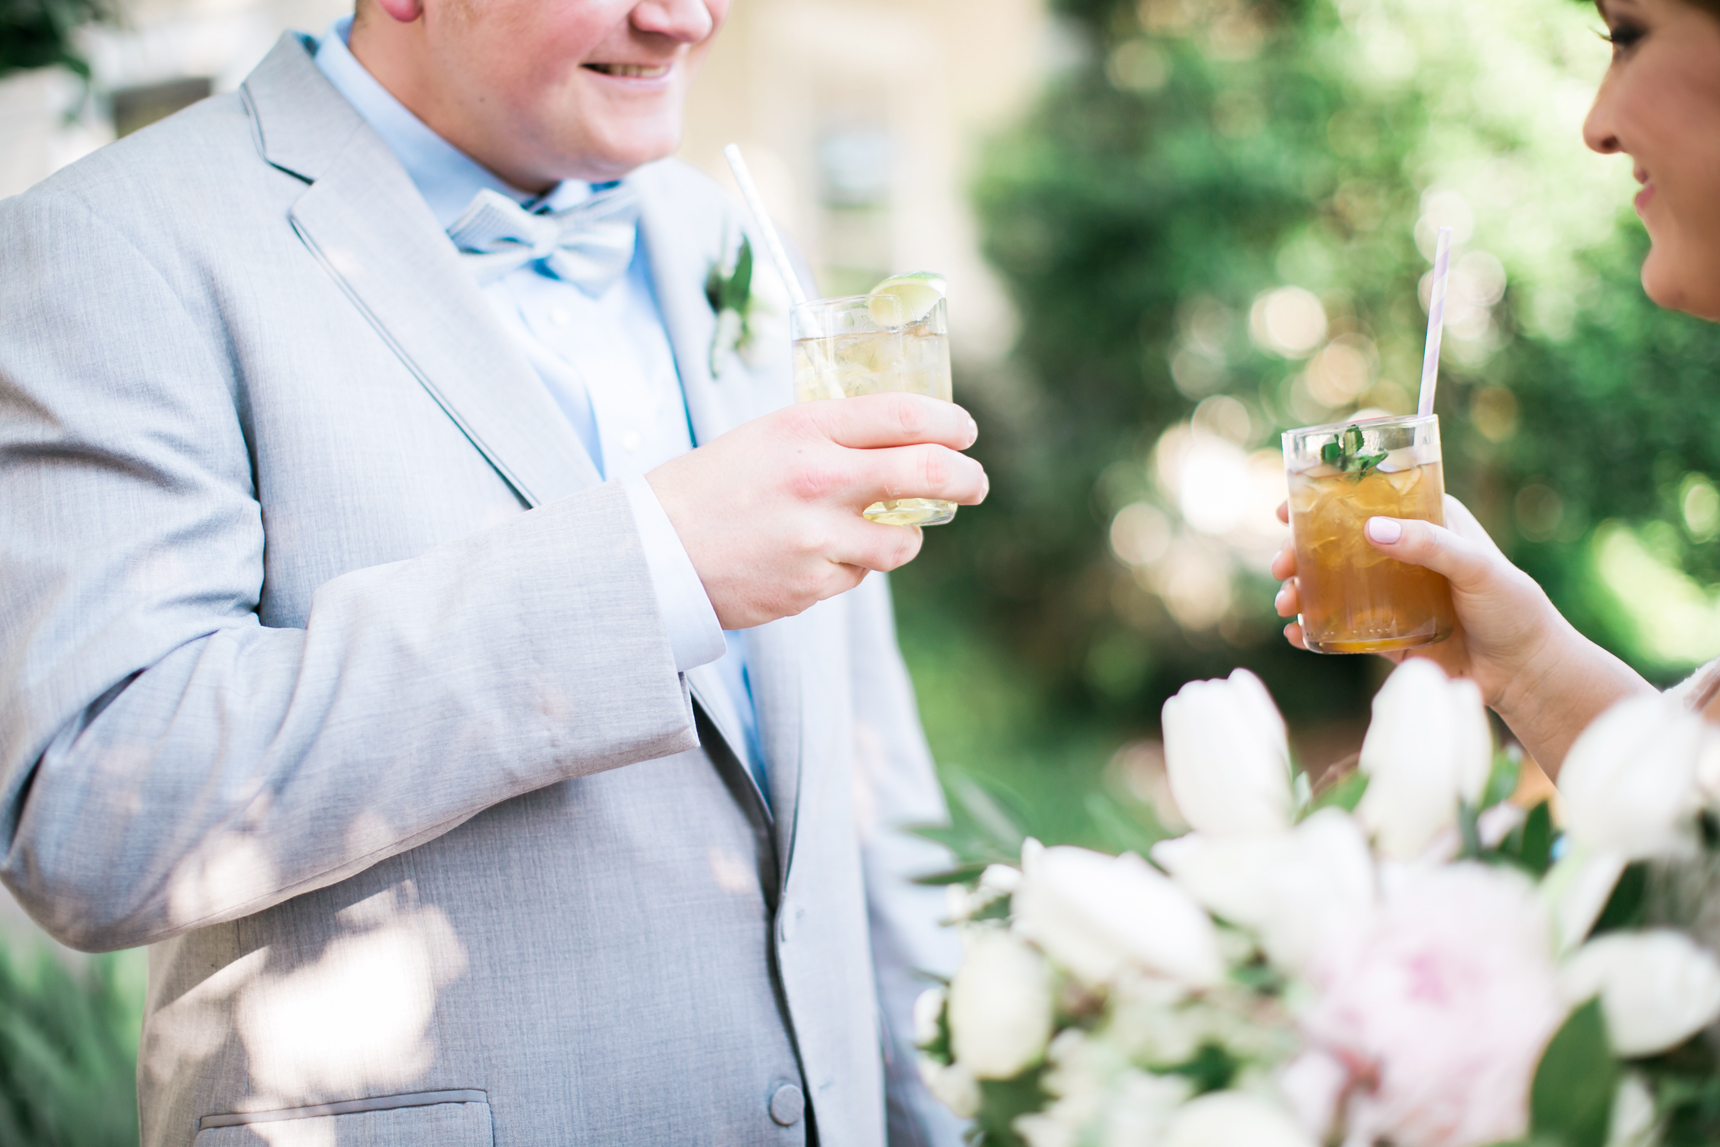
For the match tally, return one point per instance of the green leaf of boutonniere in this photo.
(729, 290)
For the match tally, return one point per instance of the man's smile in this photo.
(632, 71)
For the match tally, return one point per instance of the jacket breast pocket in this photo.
(443, 1118)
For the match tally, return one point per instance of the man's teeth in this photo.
(634, 71)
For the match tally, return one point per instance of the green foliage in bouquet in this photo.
(1403, 956)
(38, 33)
(68, 1053)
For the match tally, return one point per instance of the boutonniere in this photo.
(749, 314)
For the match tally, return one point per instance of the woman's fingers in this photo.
(1466, 562)
(1288, 603)
(1461, 522)
(1284, 512)
(1284, 564)
(1293, 634)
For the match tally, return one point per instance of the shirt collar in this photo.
(446, 176)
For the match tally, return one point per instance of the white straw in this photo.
(1435, 321)
(772, 242)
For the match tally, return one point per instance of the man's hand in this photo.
(770, 512)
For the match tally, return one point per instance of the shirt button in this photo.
(559, 316)
(630, 440)
(787, 1105)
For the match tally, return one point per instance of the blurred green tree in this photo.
(1213, 228)
(39, 33)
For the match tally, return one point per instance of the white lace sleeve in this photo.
(1699, 688)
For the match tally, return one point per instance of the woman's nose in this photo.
(1599, 131)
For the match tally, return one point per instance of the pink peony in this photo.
(1440, 1006)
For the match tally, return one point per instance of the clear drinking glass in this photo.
(869, 344)
(1354, 598)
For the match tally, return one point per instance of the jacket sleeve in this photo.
(166, 761)
(911, 947)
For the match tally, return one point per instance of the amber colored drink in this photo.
(1355, 599)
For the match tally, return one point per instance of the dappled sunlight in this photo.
(356, 1020)
(232, 868)
(297, 1133)
(731, 871)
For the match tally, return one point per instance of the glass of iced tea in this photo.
(1354, 598)
(894, 339)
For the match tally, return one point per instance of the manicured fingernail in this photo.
(973, 431)
(1384, 530)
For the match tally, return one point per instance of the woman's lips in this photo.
(1643, 197)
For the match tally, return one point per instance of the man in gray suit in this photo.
(362, 610)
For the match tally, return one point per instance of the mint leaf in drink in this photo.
(1344, 453)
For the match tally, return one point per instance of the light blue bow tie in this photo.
(589, 245)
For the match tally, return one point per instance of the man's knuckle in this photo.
(910, 416)
(811, 480)
(934, 468)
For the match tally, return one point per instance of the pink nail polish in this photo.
(1384, 530)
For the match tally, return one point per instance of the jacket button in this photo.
(787, 1105)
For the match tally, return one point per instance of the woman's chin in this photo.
(1676, 285)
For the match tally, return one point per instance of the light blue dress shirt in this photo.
(606, 361)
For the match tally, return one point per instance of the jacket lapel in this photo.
(684, 236)
(778, 697)
(365, 221)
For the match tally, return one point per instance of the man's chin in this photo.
(618, 152)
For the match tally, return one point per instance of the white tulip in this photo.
(1313, 1084)
(1629, 782)
(928, 1010)
(1143, 1105)
(1657, 988)
(1000, 1006)
(1233, 1119)
(1577, 889)
(1097, 915)
(952, 1085)
(1427, 747)
(1294, 889)
(1635, 1122)
(1227, 756)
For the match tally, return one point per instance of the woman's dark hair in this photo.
(1706, 5)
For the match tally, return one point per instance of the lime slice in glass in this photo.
(905, 298)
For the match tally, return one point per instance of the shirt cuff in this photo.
(695, 635)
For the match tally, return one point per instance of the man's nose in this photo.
(685, 21)
(1598, 129)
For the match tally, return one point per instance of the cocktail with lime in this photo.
(892, 339)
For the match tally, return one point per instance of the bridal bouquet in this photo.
(1404, 958)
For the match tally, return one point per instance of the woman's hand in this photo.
(1543, 677)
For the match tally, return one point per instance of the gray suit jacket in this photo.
(331, 671)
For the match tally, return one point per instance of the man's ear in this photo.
(401, 11)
